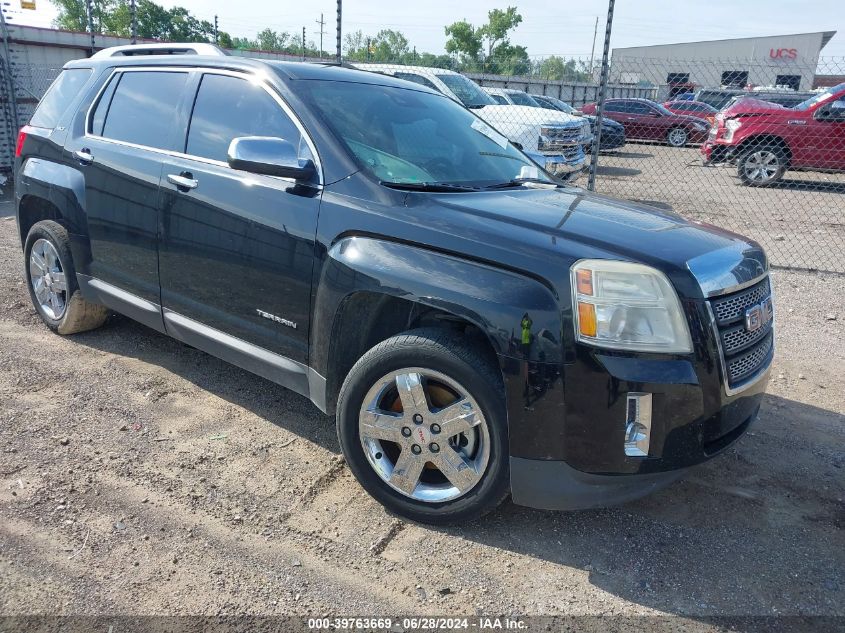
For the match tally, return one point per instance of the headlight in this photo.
(621, 305)
(586, 130)
(731, 126)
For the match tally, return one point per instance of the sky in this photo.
(559, 28)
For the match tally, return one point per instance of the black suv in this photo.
(477, 327)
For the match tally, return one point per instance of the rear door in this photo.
(237, 248)
(128, 132)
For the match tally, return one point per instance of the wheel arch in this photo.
(762, 140)
(50, 190)
(371, 289)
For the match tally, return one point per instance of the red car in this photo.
(693, 108)
(765, 139)
(646, 120)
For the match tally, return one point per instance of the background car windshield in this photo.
(521, 98)
(467, 91)
(405, 136)
(822, 96)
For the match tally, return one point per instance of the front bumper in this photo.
(554, 485)
(565, 165)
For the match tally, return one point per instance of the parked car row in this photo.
(612, 133)
(649, 121)
(558, 139)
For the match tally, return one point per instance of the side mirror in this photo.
(270, 156)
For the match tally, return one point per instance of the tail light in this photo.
(21, 140)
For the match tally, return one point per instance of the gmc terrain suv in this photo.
(476, 327)
(765, 139)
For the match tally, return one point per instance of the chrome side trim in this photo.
(729, 269)
(119, 300)
(750, 382)
(253, 358)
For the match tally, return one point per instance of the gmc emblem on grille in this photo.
(757, 316)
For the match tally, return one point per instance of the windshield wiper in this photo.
(427, 186)
(517, 182)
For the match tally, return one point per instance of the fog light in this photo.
(638, 424)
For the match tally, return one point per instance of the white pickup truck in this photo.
(555, 139)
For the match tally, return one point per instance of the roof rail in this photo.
(132, 50)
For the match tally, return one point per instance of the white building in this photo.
(784, 60)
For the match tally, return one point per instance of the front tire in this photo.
(677, 137)
(761, 166)
(422, 424)
(51, 279)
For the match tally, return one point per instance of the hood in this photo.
(750, 105)
(524, 114)
(605, 122)
(578, 224)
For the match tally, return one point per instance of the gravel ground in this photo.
(141, 476)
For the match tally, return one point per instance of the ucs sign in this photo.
(783, 53)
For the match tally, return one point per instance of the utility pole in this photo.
(133, 18)
(339, 22)
(322, 32)
(591, 182)
(593, 54)
(303, 43)
(90, 9)
(216, 34)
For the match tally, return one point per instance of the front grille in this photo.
(556, 138)
(745, 365)
(745, 353)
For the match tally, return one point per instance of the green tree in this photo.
(464, 39)
(499, 24)
(270, 40)
(558, 68)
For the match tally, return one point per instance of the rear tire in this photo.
(397, 414)
(761, 166)
(51, 279)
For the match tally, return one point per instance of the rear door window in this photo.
(229, 107)
(141, 108)
(58, 96)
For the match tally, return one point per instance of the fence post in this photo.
(9, 90)
(594, 159)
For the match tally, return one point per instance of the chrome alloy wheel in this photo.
(678, 137)
(424, 435)
(761, 166)
(48, 279)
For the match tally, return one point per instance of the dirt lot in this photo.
(800, 221)
(140, 476)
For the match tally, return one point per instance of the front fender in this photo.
(493, 299)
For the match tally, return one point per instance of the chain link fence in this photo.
(753, 148)
(749, 147)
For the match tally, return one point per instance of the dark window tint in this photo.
(614, 106)
(58, 97)
(417, 79)
(635, 107)
(500, 99)
(143, 107)
(229, 107)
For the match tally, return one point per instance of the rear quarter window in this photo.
(58, 97)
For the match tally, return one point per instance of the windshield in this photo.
(403, 136)
(467, 91)
(521, 98)
(822, 96)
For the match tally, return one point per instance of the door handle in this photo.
(630, 118)
(184, 181)
(84, 156)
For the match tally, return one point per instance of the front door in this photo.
(237, 248)
(120, 155)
